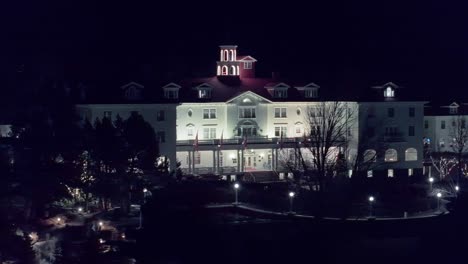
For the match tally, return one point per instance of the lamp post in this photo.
(291, 199)
(439, 195)
(236, 189)
(431, 180)
(146, 193)
(371, 201)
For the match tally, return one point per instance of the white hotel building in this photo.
(234, 122)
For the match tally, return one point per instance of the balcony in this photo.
(257, 141)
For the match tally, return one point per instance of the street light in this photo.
(431, 180)
(291, 198)
(371, 200)
(80, 209)
(236, 189)
(457, 188)
(439, 195)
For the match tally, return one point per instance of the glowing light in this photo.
(80, 209)
(123, 236)
(371, 199)
(457, 188)
(59, 219)
(101, 223)
(439, 195)
(291, 194)
(145, 190)
(236, 186)
(101, 241)
(431, 180)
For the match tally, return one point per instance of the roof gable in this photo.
(247, 58)
(130, 84)
(204, 86)
(171, 85)
(277, 85)
(248, 95)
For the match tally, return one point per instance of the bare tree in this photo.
(329, 132)
(459, 144)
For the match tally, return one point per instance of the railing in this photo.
(239, 141)
(394, 138)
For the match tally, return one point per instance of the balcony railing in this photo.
(239, 141)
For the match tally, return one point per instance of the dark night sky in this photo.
(422, 45)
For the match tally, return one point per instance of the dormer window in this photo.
(311, 93)
(389, 92)
(171, 91)
(248, 65)
(280, 93)
(204, 93)
(453, 110)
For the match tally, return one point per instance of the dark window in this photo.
(370, 132)
(442, 124)
(161, 136)
(411, 111)
(391, 112)
(411, 131)
(426, 124)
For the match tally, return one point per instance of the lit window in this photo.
(204, 93)
(280, 112)
(410, 172)
(389, 92)
(248, 65)
(390, 173)
(391, 155)
(370, 173)
(350, 173)
(411, 154)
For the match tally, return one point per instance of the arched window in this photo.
(232, 55)
(224, 70)
(238, 73)
(226, 55)
(391, 155)
(411, 154)
(370, 155)
(233, 70)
